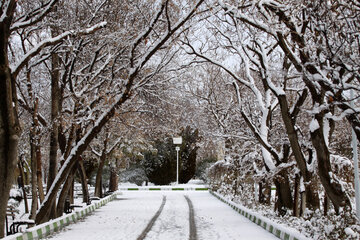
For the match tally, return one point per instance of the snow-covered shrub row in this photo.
(227, 180)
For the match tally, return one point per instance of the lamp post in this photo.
(177, 141)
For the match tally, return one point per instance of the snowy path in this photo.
(130, 216)
(152, 221)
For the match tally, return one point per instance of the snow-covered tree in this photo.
(308, 33)
(15, 17)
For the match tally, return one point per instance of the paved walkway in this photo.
(164, 215)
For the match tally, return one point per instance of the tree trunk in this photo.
(303, 203)
(114, 179)
(326, 205)
(43, 213)
(83, 178)
(34, 202)
(71, 191)
(9, 122)
(55, 126)
(98, 183)
(264, 192)
(35, 139)
(296, 209)
(65, 192)
(284, 201)
(22, 185)
(313, 201)
(331, 185)
(39, 173)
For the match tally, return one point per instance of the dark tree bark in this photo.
(264, 192)
(331, 185)
(296, 209)
(22, 184)
(326, 205)
(35, 151)
(114, 179)
(313, 201)
(64, 194)
(283, 191)
(84, 180)
(54, 127)
(9, 122)
(39, 173)
(98, 181)
(34, 202)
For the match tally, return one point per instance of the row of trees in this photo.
(279, 78)
(70, 67)
(271, 80)
(285, 59)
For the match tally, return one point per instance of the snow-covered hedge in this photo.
(276, 229)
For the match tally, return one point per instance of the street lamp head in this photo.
(177, 140)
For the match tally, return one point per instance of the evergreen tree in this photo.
(160, 166)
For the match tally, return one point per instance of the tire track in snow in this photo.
(192, 225)
(152, 221)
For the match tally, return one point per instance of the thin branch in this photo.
(52, 41)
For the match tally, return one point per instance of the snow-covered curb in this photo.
(276, 229)
(45, 229)
(163, 188)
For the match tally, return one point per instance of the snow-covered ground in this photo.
(128, 216)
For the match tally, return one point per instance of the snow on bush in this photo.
(15, 197)
(226, 179)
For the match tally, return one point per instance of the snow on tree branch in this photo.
(107, 114)
(52, 41)
(6, 9)
(33, 17)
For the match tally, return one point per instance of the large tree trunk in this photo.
(54, 128)
(296, 208)
(43, 213)
(331, 185)
(312, 198)
(283, 190)
(9, 123)
(65, 192)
